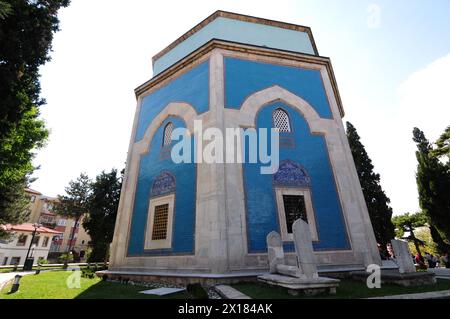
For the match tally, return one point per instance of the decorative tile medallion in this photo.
(291, 173)
(164, 184)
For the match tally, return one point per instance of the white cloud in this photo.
(422, 101)
(424, 98)
(386, 117)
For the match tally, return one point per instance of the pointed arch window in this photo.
(281, 120)
(167, 139)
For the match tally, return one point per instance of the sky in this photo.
(391, 60)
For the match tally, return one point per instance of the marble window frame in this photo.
(306, 193)
(162, 243)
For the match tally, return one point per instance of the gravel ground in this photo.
(213, 294)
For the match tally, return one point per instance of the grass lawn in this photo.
(35, 268)
(53, 285)
(346, 289)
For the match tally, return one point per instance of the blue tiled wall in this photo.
(243, 78)
(191, 87)
(237, 31)
(151, 165)
(311, 152)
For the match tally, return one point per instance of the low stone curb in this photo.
(5, 283)
(444, 294)
(228, 292)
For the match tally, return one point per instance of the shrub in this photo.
(101, 268)
(43, 262)
(196, 291)
(87, 273)
(65, 256)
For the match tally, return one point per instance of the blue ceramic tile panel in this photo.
(152, 165)
(191, 87)
(243, 78)
(310, 152)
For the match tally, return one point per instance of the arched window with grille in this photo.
(161, 211)
(281, 120)
(167, 138)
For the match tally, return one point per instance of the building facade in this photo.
(41, 212)
(235, 71)
(13, 251)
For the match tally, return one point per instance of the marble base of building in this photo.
(182, 279)
(310, 286)
(211, 279)
(396, 278)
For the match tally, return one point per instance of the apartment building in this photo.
(14, 250)
(41, 211)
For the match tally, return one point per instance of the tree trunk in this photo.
(106, 255)
(69, 247)
(416, 243)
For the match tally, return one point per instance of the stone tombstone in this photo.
(403, 256)
(304, 249)
(274, 251)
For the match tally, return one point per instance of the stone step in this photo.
(228, 292)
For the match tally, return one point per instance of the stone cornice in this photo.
(243, 48)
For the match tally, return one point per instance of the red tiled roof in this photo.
(32, 191)
(28, 227)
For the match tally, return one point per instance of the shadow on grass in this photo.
(112, 290)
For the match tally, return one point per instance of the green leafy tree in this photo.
(26, 33)
(377, 202)
(408, 222)
(443, 145)
(433, 184)
(75, 203)
(103, 205)
(417, 225)
(16, 167)
(5, 9)
(441, 246)
(13, 206)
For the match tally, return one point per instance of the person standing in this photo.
(446, 260)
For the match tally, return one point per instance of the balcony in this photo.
(51, 225)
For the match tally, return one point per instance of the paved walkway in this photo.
(5, 277)
(443, 273)
(444, 294)
(228, 292)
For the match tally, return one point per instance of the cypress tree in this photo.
(433, 185)
(442, 150)
(441, 246)
(377, 202)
